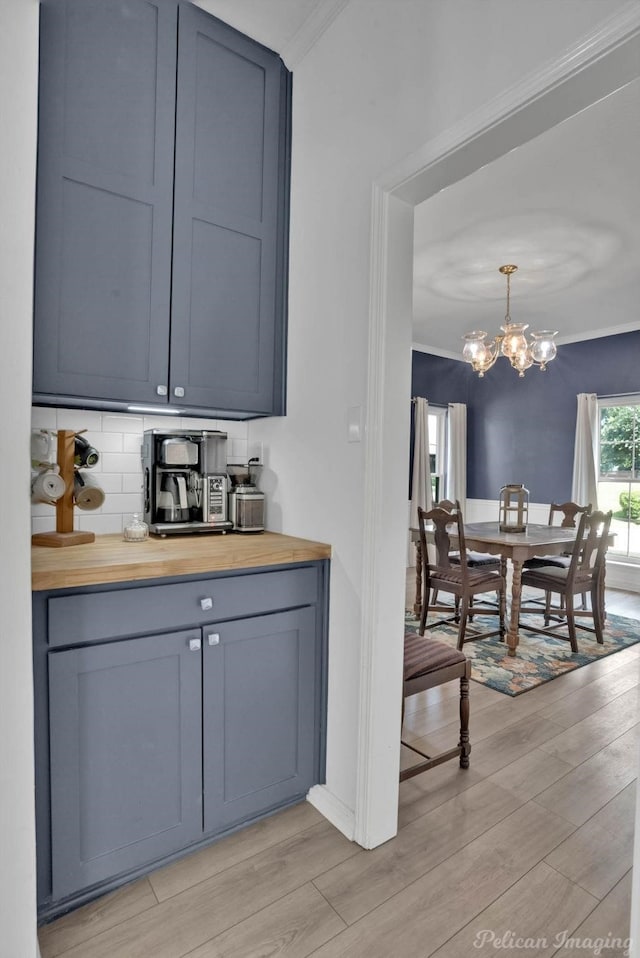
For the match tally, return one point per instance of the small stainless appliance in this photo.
(185, 484)
(246, 501)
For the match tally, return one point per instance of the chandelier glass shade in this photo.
(512, 344)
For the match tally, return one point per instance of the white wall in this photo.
(18, 72)
(385, 78)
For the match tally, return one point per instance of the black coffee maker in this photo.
(184, 481)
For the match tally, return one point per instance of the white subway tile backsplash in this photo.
(44, 417)
(78, 419)
(122, 503)
(234, 430)
(238, 452)
(99, 523)
(131, 442)
(118, 437)
(111, 422)
(105, 441)
(109, 482)
(121, 462)
(160, 422)
(43, 524)
(186, 423)
(41, 509)
(131, 483)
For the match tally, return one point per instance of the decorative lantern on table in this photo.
(514, 508)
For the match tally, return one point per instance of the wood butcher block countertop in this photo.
(111, 559)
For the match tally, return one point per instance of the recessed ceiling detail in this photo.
(555, 251)
(563, 206)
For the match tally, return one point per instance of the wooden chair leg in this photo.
(597, 612)
(465, 745)
(547, 609)
(463, 623)
(571, 623)
(425, 609)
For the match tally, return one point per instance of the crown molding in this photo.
(308, 34)
(561, 341)
(435, 351)
(599, 333)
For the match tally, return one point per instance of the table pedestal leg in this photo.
(417, 606)
(516, 589)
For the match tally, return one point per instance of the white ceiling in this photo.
(565, 208)
(274, 23)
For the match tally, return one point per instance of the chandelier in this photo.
(512, 343)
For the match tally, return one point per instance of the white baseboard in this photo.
(623, 575)
(333, 809)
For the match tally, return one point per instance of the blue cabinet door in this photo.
(143, 296)
(260, 714)
(104, 203)
(230, 220)
(126, 756)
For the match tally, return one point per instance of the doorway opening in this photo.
(595, 69)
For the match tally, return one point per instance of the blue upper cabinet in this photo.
(162, 211)
(230, 187)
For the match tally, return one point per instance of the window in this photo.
(619, 471)
(437, 451)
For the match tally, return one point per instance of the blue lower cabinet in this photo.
(126, 747)
(259, 714)
(156, 742)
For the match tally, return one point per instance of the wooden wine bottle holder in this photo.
(65, 534)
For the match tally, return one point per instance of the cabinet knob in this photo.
(195, 645)
(179, 391)
(206, 604)
(213, 638)
(161, 390)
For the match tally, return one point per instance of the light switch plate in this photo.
(354, 424)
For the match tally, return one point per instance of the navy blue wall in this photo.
(522, 430)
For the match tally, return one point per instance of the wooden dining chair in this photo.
(584, 574)
(458, 579)
(569, 513)
(475, 560)
(427, 664)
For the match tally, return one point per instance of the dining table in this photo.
(513, 547)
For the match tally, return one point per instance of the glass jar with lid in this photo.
(136, 530)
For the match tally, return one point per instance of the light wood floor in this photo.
(533, 841)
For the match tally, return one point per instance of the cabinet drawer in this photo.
(94, 617)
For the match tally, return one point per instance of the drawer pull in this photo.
(195, 645)
(213, 638)
(206, 604)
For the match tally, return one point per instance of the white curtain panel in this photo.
(584, 488)
(457, 454)
(421, 475)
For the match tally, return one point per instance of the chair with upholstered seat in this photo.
(475, 560)
(570, 511)
(585, 574)
(427, 664)
(458, 579)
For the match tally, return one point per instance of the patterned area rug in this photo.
(539, 658)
